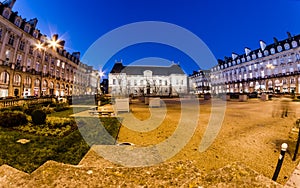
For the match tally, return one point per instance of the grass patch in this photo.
(68, 112)
(61, 139)
(27, 157)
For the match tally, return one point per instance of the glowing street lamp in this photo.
(43, 47)
(101, 74)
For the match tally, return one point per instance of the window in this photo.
(17, 22)
(279, 48)
(45, 83)
(37, 83)
(6, 14)
(19, 59)
(114, 81)
(11, 40)
(0, 33)
(27, 29)
(22, 45)
(266, 52)
(58, 63)
(166, 82)
(272, 51)
(37, 66)
(4, 78)
(35, 35)
(286, 46)
(28, 63)
(17, 80)
(31, 50)
(262, 73)
(294, 44)
(45, 69)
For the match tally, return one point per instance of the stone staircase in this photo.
(95, 171)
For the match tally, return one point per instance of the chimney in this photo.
(55, 37)
(275, 40)
(289, 35)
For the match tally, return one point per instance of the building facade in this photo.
(271, 68)
(151, 80)
(200, 82)
(31, 64)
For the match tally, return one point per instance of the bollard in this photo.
(284, 146)
(298, 141)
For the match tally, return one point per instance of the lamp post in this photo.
(270, 67)
(44, 47)
(101, 74)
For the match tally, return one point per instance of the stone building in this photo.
(200, 82)
(270, 68)
(152, 80)
(31, 64)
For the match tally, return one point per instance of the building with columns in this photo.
(152, 80)
(31, 64)
(270, 68)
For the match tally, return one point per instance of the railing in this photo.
(20, 102)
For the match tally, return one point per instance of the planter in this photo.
(264, 97)
(154, 102)
(146, 100)
(207, 96)
(243, 98)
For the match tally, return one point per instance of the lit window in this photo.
(4, 78)
(17, 80)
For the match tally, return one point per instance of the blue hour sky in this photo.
(225, 26)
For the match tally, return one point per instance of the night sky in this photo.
(224, 26)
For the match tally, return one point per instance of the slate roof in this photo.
(139, 70)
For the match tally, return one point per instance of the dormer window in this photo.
(279, 48)
(27, 28)
(35, 34)
(253, 56)
(6, 14)
(17, 22)
(272, 51)
(259, 54)
(294, 44)
(266, 52)
(286, 46)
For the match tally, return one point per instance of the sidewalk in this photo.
(294, 181)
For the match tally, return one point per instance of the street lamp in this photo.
(44, 47)
(101, 74)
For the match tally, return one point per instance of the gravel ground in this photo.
(252, 133)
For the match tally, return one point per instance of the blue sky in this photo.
(225, 26)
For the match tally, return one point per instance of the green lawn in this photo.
(27, 157)
(68, 149)
(67, 113)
